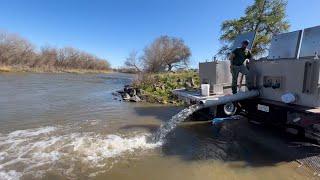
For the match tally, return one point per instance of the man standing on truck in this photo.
(239, 58)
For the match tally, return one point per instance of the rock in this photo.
(129, 90)
(188, 85)
(126, 96)
(140, 92)
(119, 92)
(135, 99)
(116, 93)
(126, 88)
(132, 92)
(192, 82)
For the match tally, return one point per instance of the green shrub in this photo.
(157, 88)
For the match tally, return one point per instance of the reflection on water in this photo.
(67, 126)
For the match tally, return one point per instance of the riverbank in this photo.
(73, 125)
(19, 68)
(157, 87)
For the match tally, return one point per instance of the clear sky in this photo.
(112, 28)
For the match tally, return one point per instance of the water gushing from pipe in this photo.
(168, 126)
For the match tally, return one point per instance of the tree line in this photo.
(17, 51)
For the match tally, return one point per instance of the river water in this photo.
(68, 126)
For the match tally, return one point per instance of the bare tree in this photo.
(48, 57)
(166, 53)
(15, 50)
(133, 62)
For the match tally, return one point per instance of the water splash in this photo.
(34, 152)
(168, 126)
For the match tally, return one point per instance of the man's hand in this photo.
(247, 61)
(232, 56)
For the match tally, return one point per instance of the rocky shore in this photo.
(157, 88)
(131, 94)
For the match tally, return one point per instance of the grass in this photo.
(4, 68)
(157, 88)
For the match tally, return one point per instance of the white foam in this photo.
(3, 155)
(37, 150)
(10, 175)
(95, 149)
(31, 132)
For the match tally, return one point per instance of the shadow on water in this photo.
(162, 113)
(151, 128)
(237, 141)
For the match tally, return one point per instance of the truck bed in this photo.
(194, 96)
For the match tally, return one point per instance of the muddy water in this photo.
(66, 126)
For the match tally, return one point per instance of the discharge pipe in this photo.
(229, 98)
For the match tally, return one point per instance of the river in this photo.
(69, 126)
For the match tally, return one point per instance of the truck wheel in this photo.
(295, 130)
(230, 109)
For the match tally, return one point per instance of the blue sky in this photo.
(112, 28)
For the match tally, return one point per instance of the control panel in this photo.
(274, 82)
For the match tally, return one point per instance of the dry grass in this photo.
(5, 69)
(20, 68)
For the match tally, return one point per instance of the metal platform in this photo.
(214, 100)
(194, 95)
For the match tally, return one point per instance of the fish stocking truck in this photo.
(284, 87)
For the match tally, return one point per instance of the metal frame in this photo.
(246, 36)
(285, 46)
(310, 44)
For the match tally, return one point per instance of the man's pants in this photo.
(235, 70)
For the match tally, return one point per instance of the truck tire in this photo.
(230, 109)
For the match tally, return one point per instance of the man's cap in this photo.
(246, 42)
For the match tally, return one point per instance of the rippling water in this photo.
(68, 126)
(55, 122)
